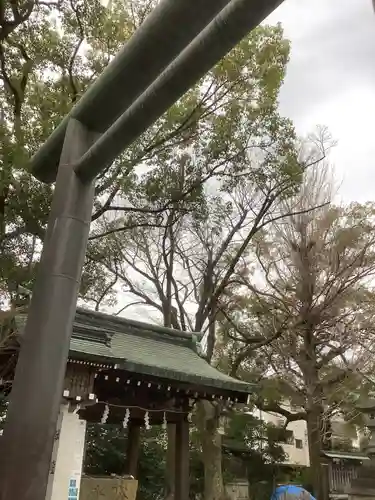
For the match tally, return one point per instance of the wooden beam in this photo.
(132, 452)
(157, 387)
(170, 472)
(182, 461)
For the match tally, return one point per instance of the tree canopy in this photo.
(307, 305)
(51, 51)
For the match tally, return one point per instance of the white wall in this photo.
(300, 456)
(68, 455)
(296, 456)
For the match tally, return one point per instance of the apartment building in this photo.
(344, 459)
(296, 448)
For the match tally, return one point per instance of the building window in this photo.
(299, 444)
(286, 437)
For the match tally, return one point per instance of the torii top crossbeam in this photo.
(156, 67)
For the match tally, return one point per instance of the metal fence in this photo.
(341, 476)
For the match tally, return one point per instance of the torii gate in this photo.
(176, 45)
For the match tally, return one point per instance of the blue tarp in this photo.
(291, 492)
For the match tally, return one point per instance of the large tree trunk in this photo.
(317, 471)
(313, 432)
(314, 406)
(208, 425)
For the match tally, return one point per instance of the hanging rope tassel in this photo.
(147, 421)
(164, 425)
(105, 415)
(126, 418)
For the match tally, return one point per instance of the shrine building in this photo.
(132, 374)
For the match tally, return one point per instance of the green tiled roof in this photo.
(146, 349)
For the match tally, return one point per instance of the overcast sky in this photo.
(331, 81)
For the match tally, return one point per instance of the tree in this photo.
(313, 296)
(182, 268)
(240, 146)
(49, 53)
(255, 444)
(182, 271)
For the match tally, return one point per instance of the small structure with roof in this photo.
(132, 374)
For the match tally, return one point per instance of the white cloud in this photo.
(331, 81)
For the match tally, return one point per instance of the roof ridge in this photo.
(171, 332)
(92, 333)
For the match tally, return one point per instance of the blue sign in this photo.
(73, 490)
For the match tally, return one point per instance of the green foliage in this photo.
(250, 447)
(260, 440)
(105, 450)
(105, 455)
(253, 450)
(226, 126)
